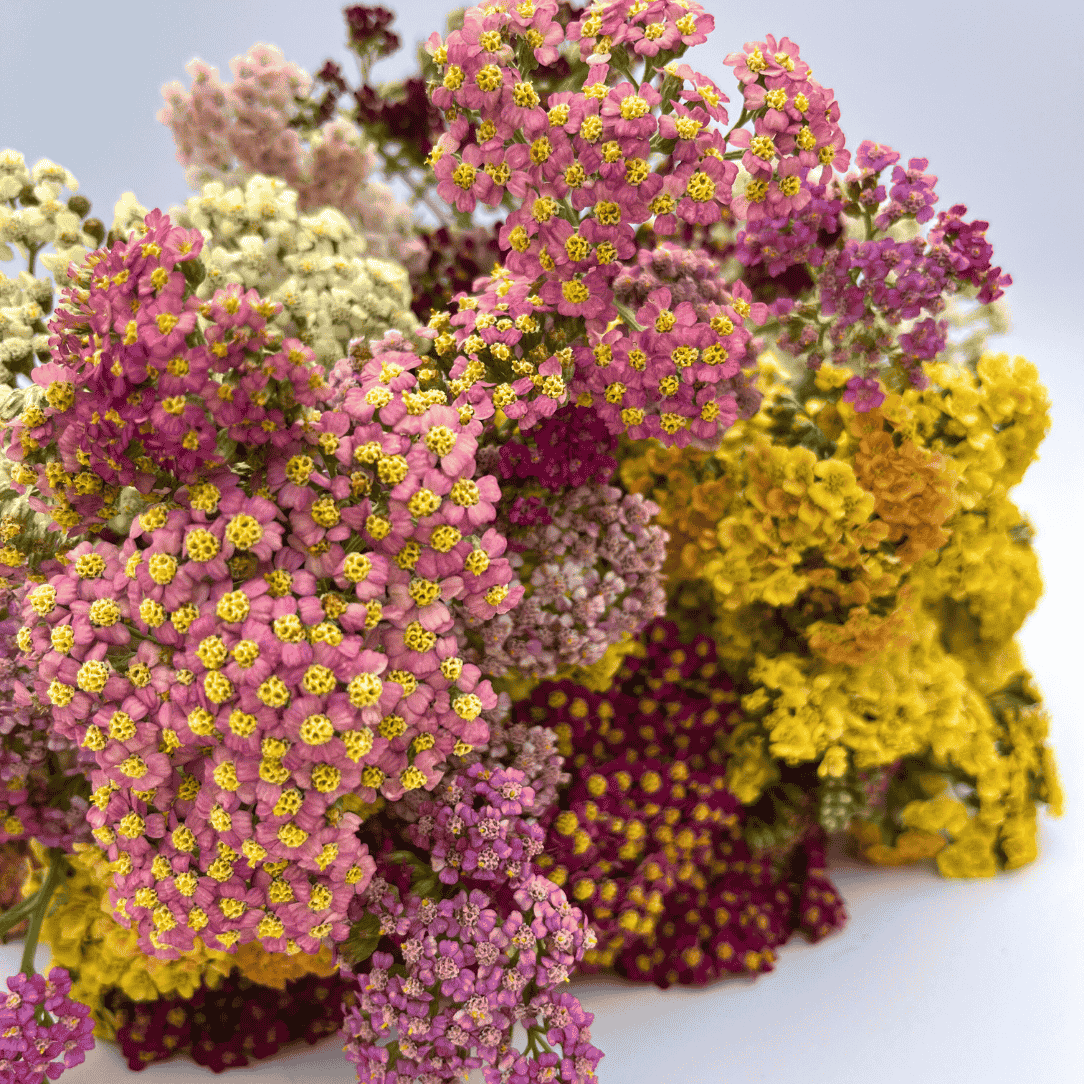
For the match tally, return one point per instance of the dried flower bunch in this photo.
(400, 618)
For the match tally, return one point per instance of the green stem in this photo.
(17, 913)
(868, 217)
(57, 868)
(620, 64)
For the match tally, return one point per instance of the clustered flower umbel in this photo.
(648, 840)
(878, 295)
(316, 266)
(294, 626)
(591, 558)
(488, 843)
(223, 1027)
(228, 132)
(41, 774)
(276, 590)
(583, 170)
(34, 215)
(28, 1047)
(498, 950)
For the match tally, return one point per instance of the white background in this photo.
(931, 979)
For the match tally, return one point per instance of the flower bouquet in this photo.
(408, 606)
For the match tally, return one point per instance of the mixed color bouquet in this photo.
(407, 606)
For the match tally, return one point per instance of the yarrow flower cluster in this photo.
(693, 349)
(41, 775)
(648, 840)
(484, 969)
(795, 130)
(488, 843)
(582, 171)
(228, 132)
(827, 672)
(225, 1027)
(590, 558)
(464, 971)
(222, 600)
(878, 297)
(315, 266)
(28, 1047)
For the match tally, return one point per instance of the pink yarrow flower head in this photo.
(28, 1049)
(767, 58)
(296, 691)
(628, 112)
(875, 156)
(229, 131)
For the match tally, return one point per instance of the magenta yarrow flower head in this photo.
(28, 1049)
(34, 759)
(107, 425)
(865, 392)
(692, 341)
(912, 194)
(477, 830)
(463, 972)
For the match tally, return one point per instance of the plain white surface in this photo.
(931, 979)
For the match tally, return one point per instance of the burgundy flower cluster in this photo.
(569, 449)
(31, 1041)
(225, 1027)
(368, 29)
(647, 839)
